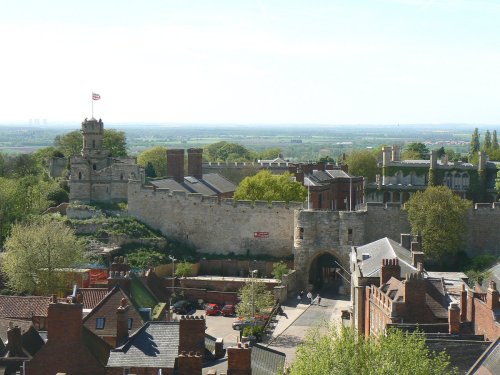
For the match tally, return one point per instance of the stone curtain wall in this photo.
(483, 229)
(212, 226)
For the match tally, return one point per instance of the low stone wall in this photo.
(220, 283)
(82, 212)
(241, 268)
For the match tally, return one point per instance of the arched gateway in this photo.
(324, 272)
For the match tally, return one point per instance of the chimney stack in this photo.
(190, 363)
(406, 240)
(175, 164)
(64, 320)
(239, 360)
(492, 296)
(15, 341)
(192, 334)
(195, 163)
(414, 292)
(121, 323)
(417, 256)
(119, 274)
(454, 318)
(390, 268)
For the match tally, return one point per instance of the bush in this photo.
(184, 269)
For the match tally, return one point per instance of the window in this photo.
(301, 233)
(79, 175)
(349, 236)
(94, 167)
(99, 323)
(130, 322)
(121, 176)
(93, 143)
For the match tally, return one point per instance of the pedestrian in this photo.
(301, 294)
(310, 296)
(319, 299)
(298, 298)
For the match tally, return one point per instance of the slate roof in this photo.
(266, 361)
(494, 275)
(21, 307)
(25, 325)
(98, 347)
(318, 177)
(92, 296)
(32, 342)
(155, 344)
(489, 362)
(384, 248)
(211, 184)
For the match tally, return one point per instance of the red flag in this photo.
(96, 96)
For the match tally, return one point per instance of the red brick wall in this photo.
(139, 371)
(484, 321)
(239, 360)
(192, 334)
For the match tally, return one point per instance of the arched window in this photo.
(448, 179)
(79, 175)
(121, 176)
(465, 180)
(94, 166)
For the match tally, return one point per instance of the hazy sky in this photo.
(261, 61)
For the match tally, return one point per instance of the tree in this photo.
(33, 253)
(270, 153)
(494, 142)
(70, 144)
(279, 270)
(143, 258)
(497, 182)
(326, 159)
(268, 187)
(184, 269)
(254, 297)
(341, 351)
(487, 141)
(474, 143)
(362, 163)
(229, 152)
(157, 156)
(415, 151)
(439, 216)
(115, 142)
(150, 170)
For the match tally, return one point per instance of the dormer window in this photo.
(99, 323)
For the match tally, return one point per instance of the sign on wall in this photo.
(261, 234)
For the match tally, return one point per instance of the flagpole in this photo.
(92, 98)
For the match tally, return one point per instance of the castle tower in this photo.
(93, 132)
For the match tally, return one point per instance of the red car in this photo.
(212, 309)
(228, 310)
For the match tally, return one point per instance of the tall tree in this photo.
(254, 297)
(475, 146)
(362, 163)
(487, 141)
(157, 156)
(439, 216)
(70, 144)
(415, 151)
(229, 152)
(341, 351)
(268, 187)
(34, 252)
(494, 142)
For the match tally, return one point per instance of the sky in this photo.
(251, 62)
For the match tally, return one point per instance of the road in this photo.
(290, 329)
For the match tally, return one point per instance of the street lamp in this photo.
(252, 273)
(173, 278)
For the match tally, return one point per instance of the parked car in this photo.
(241, 323)
(182, 307)
(228, 310)
(212, 309)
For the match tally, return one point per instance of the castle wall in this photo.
(483, 234)
(213, 226)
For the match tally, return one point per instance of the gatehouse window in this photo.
(79, 175)
(301, 233)
(121, 176)
(349, 236)
(94, 167)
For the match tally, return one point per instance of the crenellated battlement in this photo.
(246, 164)
(179, 195)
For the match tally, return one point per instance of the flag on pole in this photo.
(96, 96)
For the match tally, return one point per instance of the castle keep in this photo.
(95, 176)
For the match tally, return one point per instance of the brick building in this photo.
(207, 184)
(329, 186)
(71, 348)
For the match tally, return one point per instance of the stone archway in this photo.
(322, 272)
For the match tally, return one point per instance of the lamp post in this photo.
(173, 278)
(252, 273)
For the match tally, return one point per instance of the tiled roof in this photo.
(19, 307)
(489, 362)
(92, 296)
(437, 298)
(211, 184)
(98, 347)
(267, 361)
(25, 325)
(154, 345)
(384, 248)
(32, 342)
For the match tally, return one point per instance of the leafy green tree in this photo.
(2, 164)
(439, 216)
(487, 141)
(475, 146)
(229, 152)
(362, 163)
(144, 258)
(341, 351)
(70, 144)
(254, 297)
(441, 151)
(268, 187)
(326, 159)
(115, 142)
(184, 269)
(34, 252)
(21, 165)
(497, 182)
(494, 141)
(415, 151)
(279, 270)
(150, 170)
(270, 153)
(157, 156)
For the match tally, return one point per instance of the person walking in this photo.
(318, 297)
(299, 300)
(310, 296)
